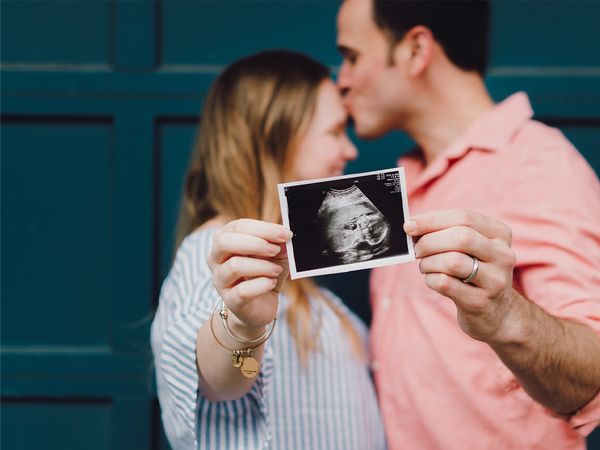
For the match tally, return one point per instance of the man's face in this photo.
(373, 87)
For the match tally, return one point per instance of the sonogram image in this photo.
(352, 228)
(349, 222)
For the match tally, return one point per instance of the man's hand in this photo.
(557, 361)
(447, 242)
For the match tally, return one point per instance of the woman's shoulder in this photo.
(200, 239)
(189, 272)
(197, 242)
(189, 261)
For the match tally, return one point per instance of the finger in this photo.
(469, 299)
(238, 267)
(249, 289)
(455, 264)
(448, 286)
(271, 232)
(465, 296)
(490, 278)
(457, 239)
(439, 220)
(282, 255)
(227, 244)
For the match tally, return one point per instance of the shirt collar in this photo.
(494, 129)
(491, 132)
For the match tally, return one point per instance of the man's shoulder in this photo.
(546, 165)
(539, 134)
(545, 147)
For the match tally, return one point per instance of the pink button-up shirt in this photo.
(439, 388)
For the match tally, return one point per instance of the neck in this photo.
(445, 114)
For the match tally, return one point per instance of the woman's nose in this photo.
(350, 151)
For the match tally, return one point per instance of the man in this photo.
(521, 368)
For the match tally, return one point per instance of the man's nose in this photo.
(343, 79)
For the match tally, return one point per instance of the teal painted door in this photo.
(100, 101)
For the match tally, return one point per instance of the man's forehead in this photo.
(354, 22)
(355, 9)
(354, 14)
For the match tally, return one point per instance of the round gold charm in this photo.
(249, 367)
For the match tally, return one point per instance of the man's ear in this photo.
(416, 48)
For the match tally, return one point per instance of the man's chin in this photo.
(366, 132)
(363, 129)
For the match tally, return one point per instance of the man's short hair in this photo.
(461, 27)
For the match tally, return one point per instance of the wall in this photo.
(99, 105)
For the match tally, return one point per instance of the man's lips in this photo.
(350, 111)
(347, 105)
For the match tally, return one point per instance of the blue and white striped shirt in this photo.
(329, 405)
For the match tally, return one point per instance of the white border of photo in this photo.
(380, 262)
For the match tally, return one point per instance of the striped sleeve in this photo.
(187, 301)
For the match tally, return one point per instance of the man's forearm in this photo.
(556, 361)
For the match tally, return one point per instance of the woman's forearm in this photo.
(219, 379)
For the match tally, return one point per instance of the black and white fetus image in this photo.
(351, 227)
(346, 223)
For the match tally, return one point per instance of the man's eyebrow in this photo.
(344, 50)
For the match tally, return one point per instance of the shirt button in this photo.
(385, 302)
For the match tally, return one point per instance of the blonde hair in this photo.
(255, 112)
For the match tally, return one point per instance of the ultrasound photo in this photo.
(346, 223)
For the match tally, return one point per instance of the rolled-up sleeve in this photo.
(587, 418)
(556, 228)
(189, 419)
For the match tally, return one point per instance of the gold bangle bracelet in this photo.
(224, 313)
(242, 358)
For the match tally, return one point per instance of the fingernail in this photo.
(410, 226)
(273, 250)
(285, 234)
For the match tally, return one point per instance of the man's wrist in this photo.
(513, 330)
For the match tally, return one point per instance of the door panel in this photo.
(100, 101)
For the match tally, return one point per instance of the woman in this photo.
(227, 376)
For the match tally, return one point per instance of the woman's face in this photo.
(324, 148)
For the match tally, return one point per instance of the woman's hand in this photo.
(249, 264)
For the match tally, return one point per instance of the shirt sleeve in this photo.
(553, 208)
(191, 421)
(587, 418)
